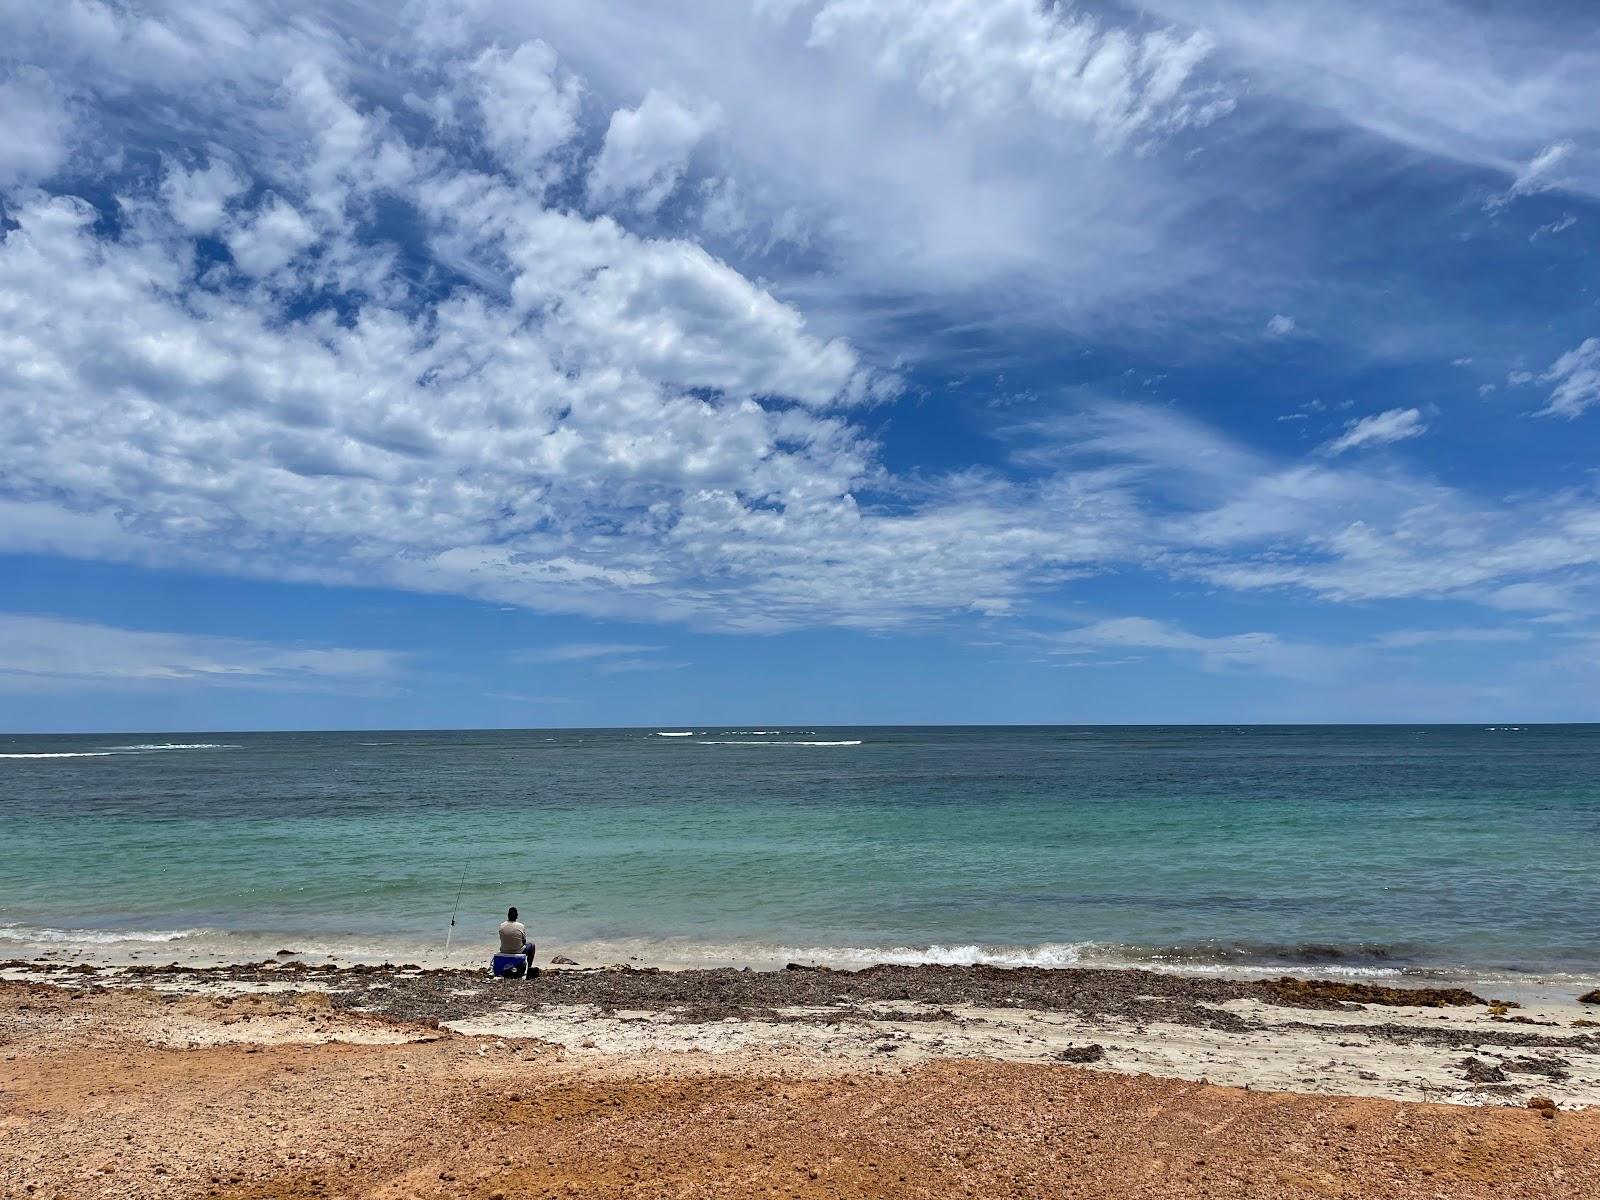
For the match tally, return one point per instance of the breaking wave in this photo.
(64, 754)
(1045, 955)
(121, 751)
(1355, 961)
(44, 936)
(724, 742)
(146, 746)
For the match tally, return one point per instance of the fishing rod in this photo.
(459, 888)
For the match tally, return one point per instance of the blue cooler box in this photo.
(509, 966)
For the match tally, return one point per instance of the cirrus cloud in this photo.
(1380, 429)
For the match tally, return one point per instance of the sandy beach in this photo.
(285, 1079)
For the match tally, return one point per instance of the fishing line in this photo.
(457, 908)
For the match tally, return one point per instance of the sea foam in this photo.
(113, 751)
(724, 742)
(43, 936)
(64, 754)
(147, 746)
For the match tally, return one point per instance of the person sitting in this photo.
(514, 938)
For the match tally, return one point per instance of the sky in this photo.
(581, 363)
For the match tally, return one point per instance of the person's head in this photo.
(511, 913)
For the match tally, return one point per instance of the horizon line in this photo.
(658, 726)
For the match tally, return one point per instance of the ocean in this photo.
(1461, 850)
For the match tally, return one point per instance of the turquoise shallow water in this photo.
(1359, 847)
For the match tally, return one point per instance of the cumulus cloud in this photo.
(853, 187)
(43, 653)
(1380, 429)
(646, 150)
(273, 235)
(198, 199)
(424, 363)
(475, 446)
(528, 104)
(1576, 376)
(36, 132)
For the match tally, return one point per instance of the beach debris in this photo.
(1590, 997)
(1549, 1066)
(561, 960)
(1093, 1052)
(1477, 1071)
(1546, 1107)
(1328, 993)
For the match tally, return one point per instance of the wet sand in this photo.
(283, 1081)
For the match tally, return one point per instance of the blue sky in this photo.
(797, 361)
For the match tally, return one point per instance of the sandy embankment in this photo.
(269, 1082)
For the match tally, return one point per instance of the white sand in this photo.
(1330, 1057)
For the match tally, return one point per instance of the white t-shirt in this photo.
(513, 936)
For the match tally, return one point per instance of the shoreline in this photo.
(216, 948)
(1284, 1033)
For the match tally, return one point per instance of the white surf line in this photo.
(716, 742)
(66, 754)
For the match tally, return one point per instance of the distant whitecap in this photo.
(64, 754)
(730, 742)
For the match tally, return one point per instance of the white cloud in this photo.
(1279, 325)
(993, 57)
(36, 127)
(584, 651)
(854, 187)
(529, 107)
(1197, 504)
(1539, 174)
(274, 235)
(1257, 651)
(1407, 639)
(1576, 376)
(43, 653)
(646, 150)
(198, 199)
(1380, 429)
(1535, 597)
(627, 666)
(516, 399)
(527, 452)
(1502, 89)
(1553, 228)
